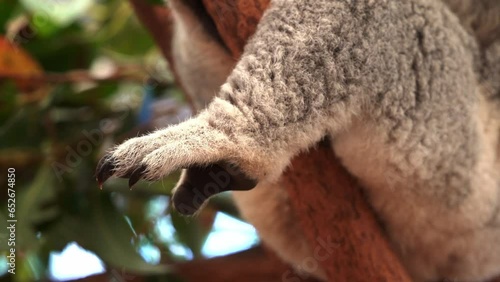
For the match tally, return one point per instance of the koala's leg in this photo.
(203, 65)
(271, 107)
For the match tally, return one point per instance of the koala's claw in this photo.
(136, 175)
(105, 169)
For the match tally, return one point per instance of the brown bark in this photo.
(158, 21)
(235, 20)
(252, 265)
(334, 209)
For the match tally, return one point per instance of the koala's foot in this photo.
(206, 154)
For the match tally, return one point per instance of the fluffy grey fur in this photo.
(408, 91)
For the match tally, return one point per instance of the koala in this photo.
(407, 93)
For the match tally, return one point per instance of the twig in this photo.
(77, 76)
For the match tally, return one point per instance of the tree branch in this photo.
(235, 20)
(333, 209)
(158, 21)
(255, 264)
(76, 76)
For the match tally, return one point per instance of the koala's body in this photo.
(407, 91)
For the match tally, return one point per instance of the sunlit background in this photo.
(228, 235)
(103, 81)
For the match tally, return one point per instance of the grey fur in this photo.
(407, 90)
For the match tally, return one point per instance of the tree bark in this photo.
(252, 265)
(256, 264)
(333, 210)
(235, 20)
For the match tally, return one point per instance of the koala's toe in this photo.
(136, 175)
(109, 165)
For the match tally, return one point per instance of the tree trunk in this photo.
(330, 204)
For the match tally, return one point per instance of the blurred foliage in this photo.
(54, 129)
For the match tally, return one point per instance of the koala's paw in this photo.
(130, 160)
(204, 152)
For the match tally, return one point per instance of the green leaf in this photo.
(8, 100)
(122, 44)
(36, 205)
(24, 270)
(6, 10)
(156, 2)
(4, 233)
(44, 26)
(193, 231)
(55, 11)
(162, 187)
(105, 232)
(94, 96)
(65, 50)
(29, 268)
(23, 128)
